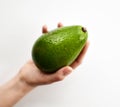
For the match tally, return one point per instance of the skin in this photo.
(29, 77)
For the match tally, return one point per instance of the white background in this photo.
(96, 83)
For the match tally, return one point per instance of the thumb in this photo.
(61, 74)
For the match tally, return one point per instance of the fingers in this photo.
(80, 58)
(60, 25)
(45, 29)
(59, 75)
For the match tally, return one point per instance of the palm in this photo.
(31, 74)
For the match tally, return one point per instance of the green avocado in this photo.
(59, 47)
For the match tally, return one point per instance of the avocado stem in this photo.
(84, 29)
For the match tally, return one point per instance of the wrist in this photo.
(23, 84)
(13, 91)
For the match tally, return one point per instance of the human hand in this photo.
(33, 76)
(30, 76)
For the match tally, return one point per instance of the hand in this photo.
(34, 76)
(30, 76)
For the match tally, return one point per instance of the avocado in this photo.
(59, 47)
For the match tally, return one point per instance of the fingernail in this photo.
(67, 71)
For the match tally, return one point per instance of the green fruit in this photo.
(59, 47)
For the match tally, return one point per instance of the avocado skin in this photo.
(58, 48)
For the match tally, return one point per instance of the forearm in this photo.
(13, 91)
